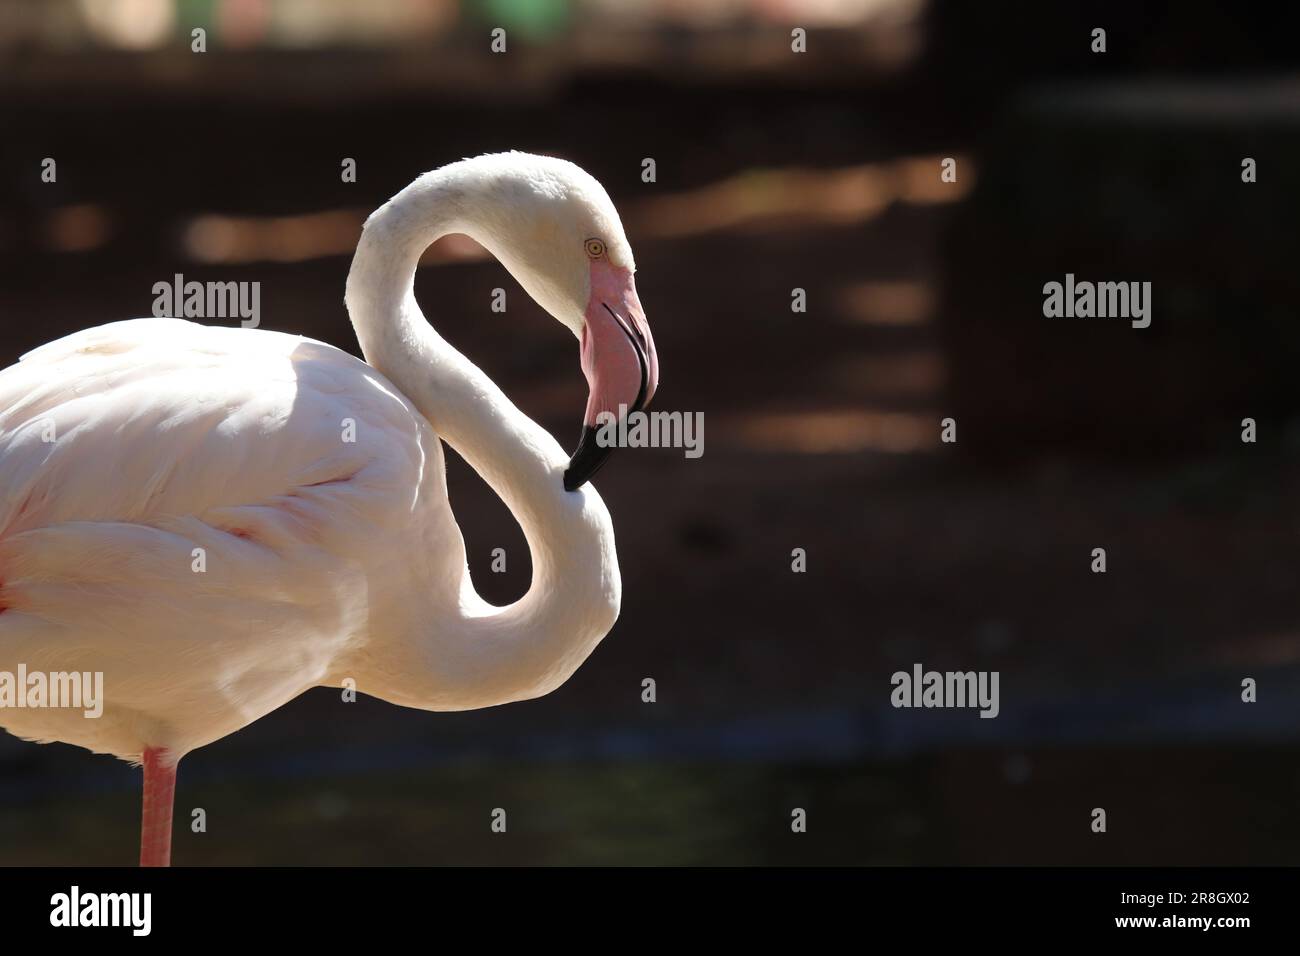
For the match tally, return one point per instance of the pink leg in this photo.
(156, 820)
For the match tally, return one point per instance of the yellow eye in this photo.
(595, 248)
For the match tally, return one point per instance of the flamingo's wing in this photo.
(189, 510)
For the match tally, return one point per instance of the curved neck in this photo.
(487, 655)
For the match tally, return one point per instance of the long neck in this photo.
(487, 655)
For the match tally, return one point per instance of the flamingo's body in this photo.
(218, 519)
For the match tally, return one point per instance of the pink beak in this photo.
(619, 361)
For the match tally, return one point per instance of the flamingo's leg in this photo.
(156, 818)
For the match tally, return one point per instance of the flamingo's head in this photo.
(554, 227)
(617, 352)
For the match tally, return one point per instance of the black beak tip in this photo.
(587, 459)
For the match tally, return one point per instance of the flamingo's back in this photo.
(207, 516)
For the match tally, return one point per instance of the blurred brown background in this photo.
(775, 170)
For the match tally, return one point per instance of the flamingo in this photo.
(218, 518)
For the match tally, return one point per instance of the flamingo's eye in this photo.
(595, 248)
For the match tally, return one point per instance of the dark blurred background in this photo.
(775, 170)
